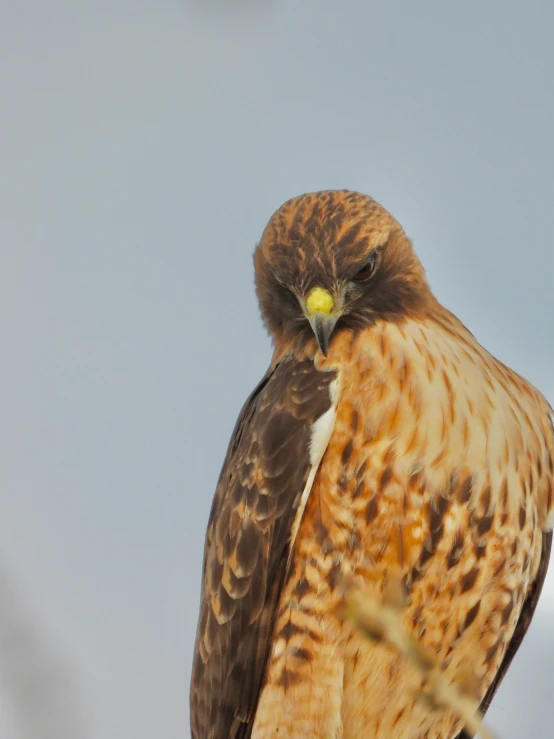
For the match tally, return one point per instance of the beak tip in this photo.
(322, 326)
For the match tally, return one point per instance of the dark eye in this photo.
(367, 270)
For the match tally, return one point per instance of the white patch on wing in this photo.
(319, 440)
(323, 428)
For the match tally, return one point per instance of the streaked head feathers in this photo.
(346, 244)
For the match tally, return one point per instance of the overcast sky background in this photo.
(143, 147)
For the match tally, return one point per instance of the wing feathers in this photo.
(263, 479)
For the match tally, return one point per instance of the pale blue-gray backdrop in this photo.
(143, 146)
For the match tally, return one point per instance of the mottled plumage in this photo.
(384, 443)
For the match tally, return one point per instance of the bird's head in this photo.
(334, 260)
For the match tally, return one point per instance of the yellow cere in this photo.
(319, 301)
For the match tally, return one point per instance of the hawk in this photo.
(384, 442)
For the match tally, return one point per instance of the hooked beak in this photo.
(323, 326)
(322, 317)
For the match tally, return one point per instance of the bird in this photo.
(383, 444)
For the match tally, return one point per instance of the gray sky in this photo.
(143, 147)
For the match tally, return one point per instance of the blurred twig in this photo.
(382, 622)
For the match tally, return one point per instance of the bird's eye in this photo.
(367, 270)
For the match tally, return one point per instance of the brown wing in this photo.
(247, 540)
(522, 625)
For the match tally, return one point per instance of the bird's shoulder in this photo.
(444, 401)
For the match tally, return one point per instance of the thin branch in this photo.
(382, 623)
